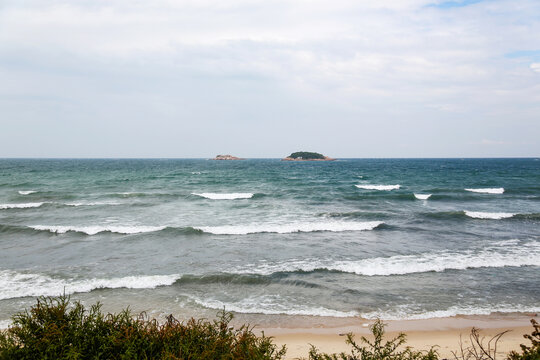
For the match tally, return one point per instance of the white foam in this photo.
(497, 255)
(422, 196)
(4, 324)
(92, 230)
(14, 284)
(271, 305)
(409, 313)
(26, 192)
(95, 203)
(20, 206)
(487, 190)
(290, 228)
(488, 215)
(229, 196)
(379, 187)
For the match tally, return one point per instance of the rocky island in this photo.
(307, 156)
(226, 157)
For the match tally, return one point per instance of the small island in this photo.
(307, 156)
(227, 157)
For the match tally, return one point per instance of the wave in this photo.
(270, 305)
(95, 203)
(229, 196)
(15, 284)
(495, 256)
(406, 313)
(447, 215)
(93, 230)
(487, 190)
(20, 206)
(487, 215)
(378, 187)
(422, 196)
(4, 324)
(26, 192)
(290, 228)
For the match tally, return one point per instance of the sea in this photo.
(353, 238)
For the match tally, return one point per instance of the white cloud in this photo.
(365, 58)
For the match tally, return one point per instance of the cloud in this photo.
(400, 63)
(492, 142)
(535, 67)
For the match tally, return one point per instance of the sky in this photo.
(264, 78)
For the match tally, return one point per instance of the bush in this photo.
(376, 350)
(56, 329)
(529, 352)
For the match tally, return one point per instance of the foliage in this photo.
(529, 352)
(55, 328)
(306, 155)
(376, 349)
(478, 350)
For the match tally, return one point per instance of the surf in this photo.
(333, 226)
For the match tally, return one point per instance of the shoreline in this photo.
(328, 334)
(422, 334)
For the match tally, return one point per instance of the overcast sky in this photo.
(263, 78)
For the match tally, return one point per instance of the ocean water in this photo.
(388, 238)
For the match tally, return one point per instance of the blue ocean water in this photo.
(388, 238)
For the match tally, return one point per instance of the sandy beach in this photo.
(421, 334)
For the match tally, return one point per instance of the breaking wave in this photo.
(95, 203)
(92, 230)
(15, 284)
(26, 192)
(495, 256)
(271, 305)
(378, 187)
(488, 215)
(422, 196)
(229, 196)
(487, 190)
(290, 228)
(408, 313)
(20, 206)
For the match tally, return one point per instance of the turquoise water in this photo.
(344, 238)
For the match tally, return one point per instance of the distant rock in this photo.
(226, 157)
(307, 156)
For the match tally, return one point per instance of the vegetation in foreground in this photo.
(56, 328)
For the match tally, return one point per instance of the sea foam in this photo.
(229, 196)
(92, 203)
(271, 305)
(26, 192)
(494, 256)
(487, 190)
(15, 284)
(488, 215)
(405, 312)
(422, 196)
(379, 187)
(4, 324)
(93, 230)
(20, 206)
(290, 228)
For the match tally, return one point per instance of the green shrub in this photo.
(56, 329)
(376, 349)
(529, 352)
